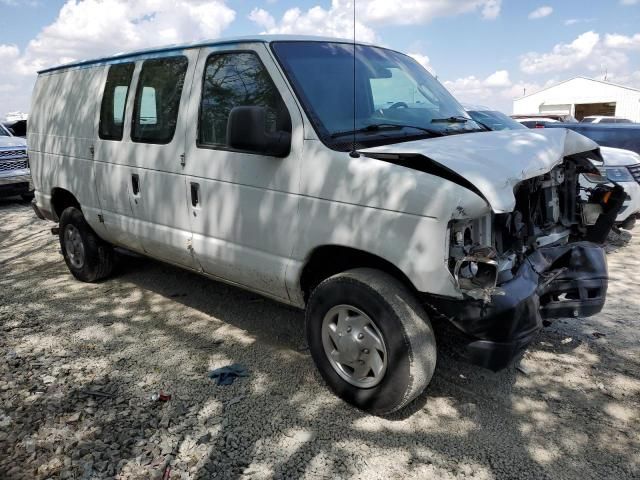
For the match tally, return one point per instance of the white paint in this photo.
(260, 218)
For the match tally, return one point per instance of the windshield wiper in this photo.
(381, 127)
(452, 119)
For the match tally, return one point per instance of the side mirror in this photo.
(246, 131)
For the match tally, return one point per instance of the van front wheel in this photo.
(370, 339)
(88, 257)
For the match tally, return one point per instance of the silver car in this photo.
(15, 176)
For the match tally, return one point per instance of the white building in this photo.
(581, 97)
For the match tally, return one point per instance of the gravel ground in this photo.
(80, 363)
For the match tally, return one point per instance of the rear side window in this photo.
(158, 100)
(114, 101)
(234, 80)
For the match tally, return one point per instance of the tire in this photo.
(87, 256)
(27, 197)
(397, 317)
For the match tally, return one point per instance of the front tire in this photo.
(87, 256)
(370, 339)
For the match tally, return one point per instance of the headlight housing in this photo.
(617, 174)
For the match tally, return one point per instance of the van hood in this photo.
(12, 142)
(489, 163)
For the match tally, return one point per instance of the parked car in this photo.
(239, 159)
(625, 136)
(535, 122)
(619, 165)
(604, 119)
(558, 117)
(15, 178)
(18, 128)
(492, 119)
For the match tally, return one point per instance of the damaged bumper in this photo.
(556, 281)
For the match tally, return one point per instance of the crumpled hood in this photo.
(12, 142)
(494, 162)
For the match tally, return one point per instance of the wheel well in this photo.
(331, 259)
(61, 199)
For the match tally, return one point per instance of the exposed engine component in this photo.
(549, 212)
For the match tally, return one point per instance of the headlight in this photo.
(617, 174)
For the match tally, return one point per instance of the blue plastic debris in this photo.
(227, 375)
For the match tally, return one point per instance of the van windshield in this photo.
(395, 98)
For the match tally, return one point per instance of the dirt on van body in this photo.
(80, 364)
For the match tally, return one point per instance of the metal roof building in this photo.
(582, 97)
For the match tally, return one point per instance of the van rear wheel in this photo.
(370, 339)
(87, 256)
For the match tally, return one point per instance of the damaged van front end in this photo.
(537, 254)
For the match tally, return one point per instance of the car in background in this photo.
(620, 166)
(492, 119)
(558, 117)
(18, 128)
(15, 176)
(604, 119)
(625, 135)
(535, 122)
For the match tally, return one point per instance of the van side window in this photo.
(233, 80)
(114, 101)
(155, 114)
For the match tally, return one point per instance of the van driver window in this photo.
(158, 99)
(233, 80)
(114, 101)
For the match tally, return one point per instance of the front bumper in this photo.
(631, 206)
(558, 281)
(16, 183)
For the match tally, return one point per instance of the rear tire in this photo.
(351, 314)
(88, 257)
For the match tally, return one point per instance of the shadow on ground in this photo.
(82, 361)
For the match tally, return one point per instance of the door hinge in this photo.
(183, 159)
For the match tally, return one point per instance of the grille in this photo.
(635, 171)
(12, 153)
(9, 165)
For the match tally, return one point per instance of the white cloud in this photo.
(622, 41)
(422, 11)
(498, 79)
(562, 56)
(93, 28)
(540, 12)
(424, 61)
(629, 2)
(472, 89)
(337, 19)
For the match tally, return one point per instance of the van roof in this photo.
(119, 57)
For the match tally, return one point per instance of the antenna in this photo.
(353, 153)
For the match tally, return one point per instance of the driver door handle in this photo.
(135, 183)
(195, 194)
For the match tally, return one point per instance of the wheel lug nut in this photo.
(348, 329)
(365, 351)
(360, 336)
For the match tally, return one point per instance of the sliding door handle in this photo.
(135, 183)
(195, 194)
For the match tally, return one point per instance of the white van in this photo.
(262, 162)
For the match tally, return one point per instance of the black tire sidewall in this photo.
(90, 241)
(392, 390)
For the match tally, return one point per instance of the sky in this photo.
(486, 52)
